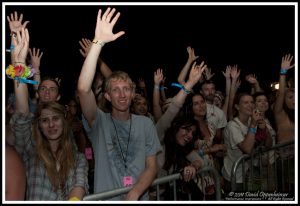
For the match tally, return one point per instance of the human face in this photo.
(208, 90)
(120, 95)
(246, 105)
(140, 106)
(199, 106)
(261, 103)
(185, 135)
(72, 107)
(51, 124)
(290, 99)
(48, 91)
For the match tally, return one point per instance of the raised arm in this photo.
(85, 48)
(194, 76)
(228, 84)
(35, 60)
(285, 66)
(158, 77)
(184, 71)
(252, 79)
(103, 34)
(234, 73)
(18, 56)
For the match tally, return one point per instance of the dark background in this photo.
(253, 37)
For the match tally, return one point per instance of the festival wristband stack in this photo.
(21, 73)
(283, 71)
(181, 87)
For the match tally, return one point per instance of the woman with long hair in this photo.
(55, 170)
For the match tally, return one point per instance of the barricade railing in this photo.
(258, 156)
(157, 182)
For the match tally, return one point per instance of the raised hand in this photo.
(227, 72)
(286, 62)
(196, 72)
(35, 57)
(85, 46)
(251, 78)
(235, 73)
(104, 27)
(191, 53)
(158, 76)
(15, 23)
(142, 83)
(21, 46)
(207, 73)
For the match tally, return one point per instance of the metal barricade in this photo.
(157, 182)
(276, 176)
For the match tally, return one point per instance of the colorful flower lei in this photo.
(21, 73)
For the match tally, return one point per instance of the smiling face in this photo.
(246, 105)
(120, 94)
(185, 134)
(140, 105)
(51, 124)
(261, 103)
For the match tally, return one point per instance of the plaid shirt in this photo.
(38, 184)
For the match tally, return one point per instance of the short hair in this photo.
(55, 80)
(118, 75)
(206, 82)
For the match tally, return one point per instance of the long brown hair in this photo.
(65, 154)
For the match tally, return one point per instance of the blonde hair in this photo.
(118, 75)
(65, 154)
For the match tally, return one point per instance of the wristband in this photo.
(74, 199)
(283, 71)
(98, 42)
(181, 87)
(252, 130)
(156, 87)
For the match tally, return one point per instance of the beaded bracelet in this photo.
(181, 87)
(283, 71)
(21, 73)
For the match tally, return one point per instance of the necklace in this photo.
(124, 156)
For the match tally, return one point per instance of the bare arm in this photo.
(228, 84)
(19, 53)
(286, 65)
(85, 48)
(15, 175)
(252, 79)
(35, 58)
(103, 33)
(145, 179)
(248, 143)
(184, 71)
(158, 77)
(234, 73)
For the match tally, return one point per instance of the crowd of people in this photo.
(112, 133)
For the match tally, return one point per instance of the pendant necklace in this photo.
(124, 156)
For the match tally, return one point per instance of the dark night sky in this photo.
(254, 37)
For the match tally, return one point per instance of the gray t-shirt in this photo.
(115, 147)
